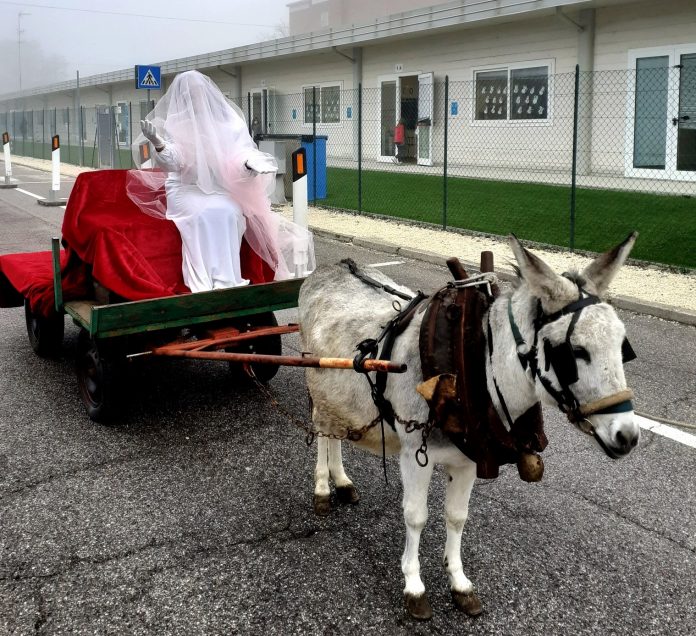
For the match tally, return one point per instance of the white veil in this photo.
(212, 142)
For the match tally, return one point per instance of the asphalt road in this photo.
(193, 514)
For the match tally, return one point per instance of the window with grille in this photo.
(519, 93)
(327, 108)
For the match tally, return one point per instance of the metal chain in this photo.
(353, 435)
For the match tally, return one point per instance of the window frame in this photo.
(515, 66)
(321, 85)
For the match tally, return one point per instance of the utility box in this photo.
(292, 143)
(277, 149)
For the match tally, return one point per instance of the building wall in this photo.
(457, 54)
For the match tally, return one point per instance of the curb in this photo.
(665, 312)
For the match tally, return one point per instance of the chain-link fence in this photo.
(576, 160)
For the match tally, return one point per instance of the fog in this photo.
(64, 36)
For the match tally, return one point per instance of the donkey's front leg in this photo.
(416, 480)
(322, 492)
(461, 481)
(345, 490)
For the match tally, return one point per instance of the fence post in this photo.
(360, 147)
(444, 168)
(249, 113)
(575, 157)
(314, 145)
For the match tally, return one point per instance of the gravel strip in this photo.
(646, 283)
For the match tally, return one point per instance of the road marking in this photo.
(31, 194)
(36, 196)
(386, 264)
(666, 431)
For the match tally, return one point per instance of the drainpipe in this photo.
(357, 103)
(586, 49)
(236, 76)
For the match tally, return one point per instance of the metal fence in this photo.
(575, 160)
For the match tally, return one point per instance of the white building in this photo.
(510, 103)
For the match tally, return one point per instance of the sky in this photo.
(60, 37)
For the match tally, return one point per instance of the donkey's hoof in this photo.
(467, 602)
(347, 494)
(322, 505)
(419, 606)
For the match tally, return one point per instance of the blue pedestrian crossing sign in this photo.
(149, 77)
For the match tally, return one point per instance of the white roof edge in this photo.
(451, 14)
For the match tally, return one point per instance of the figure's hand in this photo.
(150, 133)
(261, 164)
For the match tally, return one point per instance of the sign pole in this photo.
(52, 199)
(8, 162)
(299, 209)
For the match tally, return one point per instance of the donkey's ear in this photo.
(553, 290)
(601, 271)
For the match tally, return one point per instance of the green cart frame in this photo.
(236, 325)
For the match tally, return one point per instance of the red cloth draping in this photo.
(130, 253)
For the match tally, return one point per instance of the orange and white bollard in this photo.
(8, 162)
(146, 161)
(53, 199)
(299, 209)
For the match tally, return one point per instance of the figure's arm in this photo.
(260, 163)
(167, 155)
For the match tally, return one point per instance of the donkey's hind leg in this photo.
(461, 481)
(345, 490)
(322, 492)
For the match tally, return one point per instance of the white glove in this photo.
(261, 163)
(150, 133)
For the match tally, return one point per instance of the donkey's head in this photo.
(580, 346)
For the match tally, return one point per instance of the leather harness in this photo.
(452, 342)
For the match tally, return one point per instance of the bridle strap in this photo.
(618, 403)
(565, 398)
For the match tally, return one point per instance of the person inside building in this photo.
(216, 183)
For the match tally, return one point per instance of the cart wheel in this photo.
(94, 379)
(268, 345)
(45, 334)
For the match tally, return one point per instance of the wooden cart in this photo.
(236, 325)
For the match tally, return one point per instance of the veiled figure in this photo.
(216, 183)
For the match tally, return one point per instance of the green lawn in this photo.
(667, 224)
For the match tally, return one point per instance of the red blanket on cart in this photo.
(128, 252)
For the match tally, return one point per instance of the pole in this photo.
(360, 147)
(314, 144)
(8, 162)
(80, 132)
(69, 143)
(249, 113)
(575, 158)
(299, 210)
(444, 168)
(52, 199)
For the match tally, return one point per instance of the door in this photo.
(661, 134)
(424, 128)
(105, 137)
(389, 114)
(263, 111)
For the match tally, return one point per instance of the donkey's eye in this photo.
(581, 353)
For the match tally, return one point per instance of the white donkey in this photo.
(338, 310)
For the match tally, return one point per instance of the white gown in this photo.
(211, 228)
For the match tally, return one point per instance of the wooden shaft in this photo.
(224, 340)
(287, 361)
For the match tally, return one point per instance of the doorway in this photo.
(406, 99)
(661, 140)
